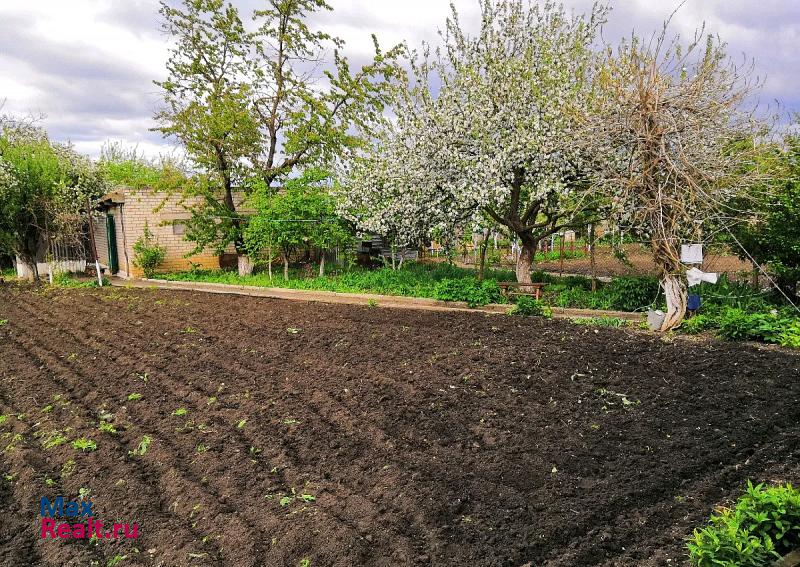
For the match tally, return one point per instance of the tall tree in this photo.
(252, 108)
(208, 109)
(679, 145)
(488, 126)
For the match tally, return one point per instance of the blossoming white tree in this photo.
(487, 126)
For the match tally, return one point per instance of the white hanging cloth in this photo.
(692, 253)
(696, 277)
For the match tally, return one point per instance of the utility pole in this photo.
(94, 244)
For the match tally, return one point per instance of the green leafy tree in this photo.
(44, 188)
(208, 110)
(302, 214)
(248, 109)
(772, 234)
(127, 167)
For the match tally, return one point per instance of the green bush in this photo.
(470, 290)
(726, 293)
(737, 325)
(764, 525)
(632, 294)
(147, 253)
(531, 307)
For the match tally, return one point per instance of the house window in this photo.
(179, 228)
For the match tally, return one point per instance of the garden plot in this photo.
(241, 431)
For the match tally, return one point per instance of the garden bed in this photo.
(350, 435)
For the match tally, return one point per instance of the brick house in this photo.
(119, 222)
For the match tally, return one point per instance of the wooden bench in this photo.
(513, 289)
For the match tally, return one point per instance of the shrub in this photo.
(531, 307)
(726, 293)
(632, 294)
(583, 299)
(735, 324)
(147, 253)
(470, 290)
(764, 524)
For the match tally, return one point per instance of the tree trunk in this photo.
(245, 264)
(592, 257)
(322, 263)
(482, 260)
(269, 262)
(525, 261)
(677, 299)
(286, 266)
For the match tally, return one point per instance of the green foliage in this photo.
(142, 447)
(469, 290)
(43, 190)
(611, 322)
(135, 397)
(578, 297)
(735, 324)
(85, 445)
(790, 336)
(697, 324)
(247, 109)
(147, 253)
(52, 439)
(63, 279)
(302, 214)
(414, 279)
(531, 307)
(632, 294)
(726, 293)
(764, 524)
(126, 167)
(772, 236)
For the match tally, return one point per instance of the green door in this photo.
(111, 235)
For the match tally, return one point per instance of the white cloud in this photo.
(89, 64)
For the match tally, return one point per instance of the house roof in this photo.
(112, 198)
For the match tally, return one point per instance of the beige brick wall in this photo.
(159, 211)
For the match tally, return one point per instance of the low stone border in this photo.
(391, 301)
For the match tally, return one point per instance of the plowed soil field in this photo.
(285, 433)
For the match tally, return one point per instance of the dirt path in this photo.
(360, 299)
(354, 436)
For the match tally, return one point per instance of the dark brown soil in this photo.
(424, 438)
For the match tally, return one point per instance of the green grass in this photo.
(428, 280)
(70, 281)
(413, 280)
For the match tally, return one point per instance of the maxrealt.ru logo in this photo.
(78, 521)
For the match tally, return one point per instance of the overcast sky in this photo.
(89, 65)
